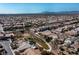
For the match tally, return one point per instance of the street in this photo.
(7, 47)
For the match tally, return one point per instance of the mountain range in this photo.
(45, 13)
(62, 12)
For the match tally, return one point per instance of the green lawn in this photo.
(39, 41)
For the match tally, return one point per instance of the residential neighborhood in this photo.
(39, 34)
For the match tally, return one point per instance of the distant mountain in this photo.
(43, 13)
(63, 12)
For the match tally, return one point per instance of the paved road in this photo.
(6, 45)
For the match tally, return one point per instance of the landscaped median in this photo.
(40, 41)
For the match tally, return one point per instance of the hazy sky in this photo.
(37, 7)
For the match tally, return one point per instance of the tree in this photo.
(48, 39)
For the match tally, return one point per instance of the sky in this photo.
(18, 8)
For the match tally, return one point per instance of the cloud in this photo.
(7, 11)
